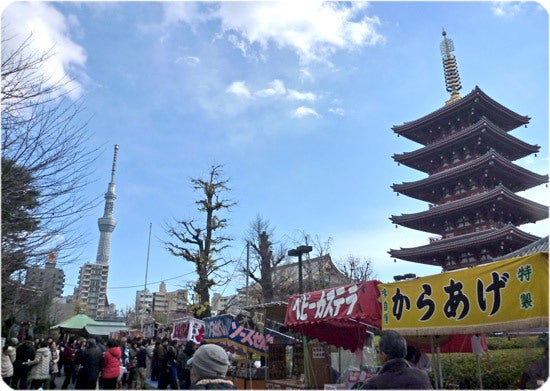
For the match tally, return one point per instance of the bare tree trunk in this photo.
(203, 244)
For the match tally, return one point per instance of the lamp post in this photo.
(298, 252)
(404, 277)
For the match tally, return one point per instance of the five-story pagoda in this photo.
(468, 154)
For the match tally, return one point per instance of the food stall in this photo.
(284, 358)
(228, 332)
(342, 317)
(506, 295)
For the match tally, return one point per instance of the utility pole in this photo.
(145, 284)
(247, 270)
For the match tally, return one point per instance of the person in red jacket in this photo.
(111, 366)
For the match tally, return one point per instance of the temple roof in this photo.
(533, 248)
(432, 220)
(508, 145)
(509, 172)
(437, 252)
(475, 103)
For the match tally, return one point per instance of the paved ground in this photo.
(60, 379)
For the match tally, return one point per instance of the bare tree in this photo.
(319, 246)
(356, 268)
(263, 259)
(201, 243)
(44, 139)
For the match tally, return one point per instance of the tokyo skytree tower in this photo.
(107, 223)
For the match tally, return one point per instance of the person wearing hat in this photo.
(209, 365)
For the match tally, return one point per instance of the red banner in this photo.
(339, 316)
(190, 329)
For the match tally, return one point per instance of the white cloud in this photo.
(276, 87)
(50, 33)
(189, 60)
(506, 9)
(189, 12)
(304, 111)
(239, 88)
(337, 111)
(305, 75)
(313, 30)
(297, 95)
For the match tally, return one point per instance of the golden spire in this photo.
(452, 78)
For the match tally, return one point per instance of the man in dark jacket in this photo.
(162, 364)
(24, 352)
(396, 372)
(184, 354)
(141, 366)
(91, 361)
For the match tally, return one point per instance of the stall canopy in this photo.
(511, 294)
(105, 328)
(76, 322)
(226, 331)
(83, 323)
(339, 316)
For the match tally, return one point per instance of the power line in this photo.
(141, 285)
(232, 274)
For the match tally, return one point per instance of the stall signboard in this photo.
(339, 315)
(189, 329)
(225, 330)
(500, 296)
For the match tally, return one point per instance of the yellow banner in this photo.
(501, 296)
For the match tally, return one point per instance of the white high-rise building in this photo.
(92, 282)
(144, 302)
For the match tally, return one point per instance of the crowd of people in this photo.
(130, 363)
(89, 363)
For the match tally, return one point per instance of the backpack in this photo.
(68, 353)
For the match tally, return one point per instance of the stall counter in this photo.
(285, 384)
(248, 384)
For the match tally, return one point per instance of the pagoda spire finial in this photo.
(450, 69)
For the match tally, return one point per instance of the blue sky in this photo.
(295, 99)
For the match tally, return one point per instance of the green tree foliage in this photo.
(502, 371)
(19, 201)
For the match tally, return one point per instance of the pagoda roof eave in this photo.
(409, 188)
(514, 119)
(422, 220)
(432, 253)
(492, 130)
